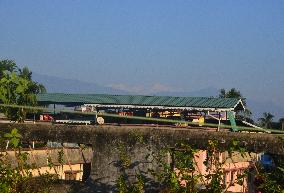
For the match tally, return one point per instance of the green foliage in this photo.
(235, 146)
(17, 88)
(234, 93)
(13, 137)
(266, 120)
(182, 174)
(123, 183)
(137, 137)
(271, 179)
(18, 177)
(124, 186)
(214, 169)
(123, 156)
(136, 182)
(266, 184)
(184, 157)
(179, 175)
(49, 162)
(61, 157)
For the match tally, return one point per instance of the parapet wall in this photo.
(160, 136)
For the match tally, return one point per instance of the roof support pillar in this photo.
(54, 109)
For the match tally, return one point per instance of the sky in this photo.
(160, 45)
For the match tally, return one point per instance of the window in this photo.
(71, 175)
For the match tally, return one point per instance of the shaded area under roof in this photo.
(140, 100)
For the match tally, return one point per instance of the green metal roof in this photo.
(139, 100)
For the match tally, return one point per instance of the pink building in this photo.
(232, 167)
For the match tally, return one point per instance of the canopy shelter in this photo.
(143, 102)
(194, 107)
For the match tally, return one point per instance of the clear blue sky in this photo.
(166, 45)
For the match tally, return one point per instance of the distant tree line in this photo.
(266, 121)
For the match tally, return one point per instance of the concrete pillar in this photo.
(282, 123)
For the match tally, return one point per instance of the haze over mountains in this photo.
(55, 84)
(61, 85)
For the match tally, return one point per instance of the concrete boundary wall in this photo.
(138, 142)
(160, 136)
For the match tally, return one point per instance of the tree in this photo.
(234, 93)
(7, 65)
(17, 88)
(34, 87)
(25, 73)
(266, 120)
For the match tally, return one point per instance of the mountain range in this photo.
(55, 84)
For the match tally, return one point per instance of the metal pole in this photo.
(53, 113)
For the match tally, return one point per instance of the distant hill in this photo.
(62, 85)
(206, 92)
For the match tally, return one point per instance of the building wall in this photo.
(233, 167)
(72, 166)
(63, 171)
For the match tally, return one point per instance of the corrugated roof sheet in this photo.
(137, 100)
